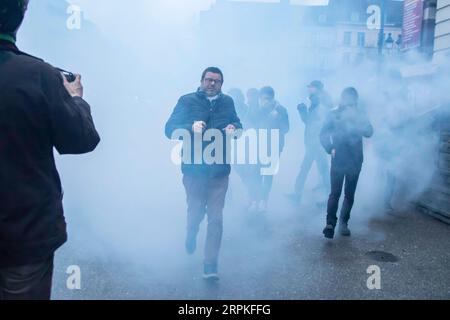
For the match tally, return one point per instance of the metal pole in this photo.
(381, 34)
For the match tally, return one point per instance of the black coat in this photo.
(273, 117)
(217, 114)
(343, 131)
(36, 115)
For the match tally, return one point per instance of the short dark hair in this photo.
(11, 15)
(352, 92)
(317, 84)
(268, 91)
(212, 70)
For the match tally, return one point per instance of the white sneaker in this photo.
(210, 272)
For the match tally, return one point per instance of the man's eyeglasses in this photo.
(211, 81)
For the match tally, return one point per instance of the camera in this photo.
(70, 77)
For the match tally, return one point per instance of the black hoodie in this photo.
(37, 114)
(343, 131)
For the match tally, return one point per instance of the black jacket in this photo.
(343, 131)
(273, 116)
(36, 115)
(217, 114)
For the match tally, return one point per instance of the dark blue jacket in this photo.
(343, 131)
(273, 117)
(217, 114)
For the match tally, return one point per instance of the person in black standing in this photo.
(206, 184)
(342, 137)
(39, 111)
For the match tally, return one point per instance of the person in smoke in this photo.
(39, 110)
(239, 102)
(270, 116)
(313, 117)
(253, 107)
(247, 171)
(242, 110)
(206, 185)
(342, 137)
(388, 151)
(391, 134)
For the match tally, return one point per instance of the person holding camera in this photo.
(39, 110)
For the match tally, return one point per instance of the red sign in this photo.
(412, 24)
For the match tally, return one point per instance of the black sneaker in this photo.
(344, 230)
(191, 243)
(328, 232)
(210, 272)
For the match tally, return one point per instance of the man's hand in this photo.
(333, 153)
(230, 129)
(75, 88)
(302, 110)
(199, 126)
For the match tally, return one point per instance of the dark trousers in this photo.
(30, 282)
(338, 176)
(317, 155)
(245, 174)
(206, 196)
(260, 185)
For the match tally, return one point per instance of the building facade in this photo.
(319, 38)
(435, 201)
(442, 32)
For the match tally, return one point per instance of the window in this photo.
(361, 39)
(347, 39)
(323, 18)
(354, 17)
(346, 58)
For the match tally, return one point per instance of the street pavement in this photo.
(277, 255)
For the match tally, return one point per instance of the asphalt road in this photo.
(280, 255)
